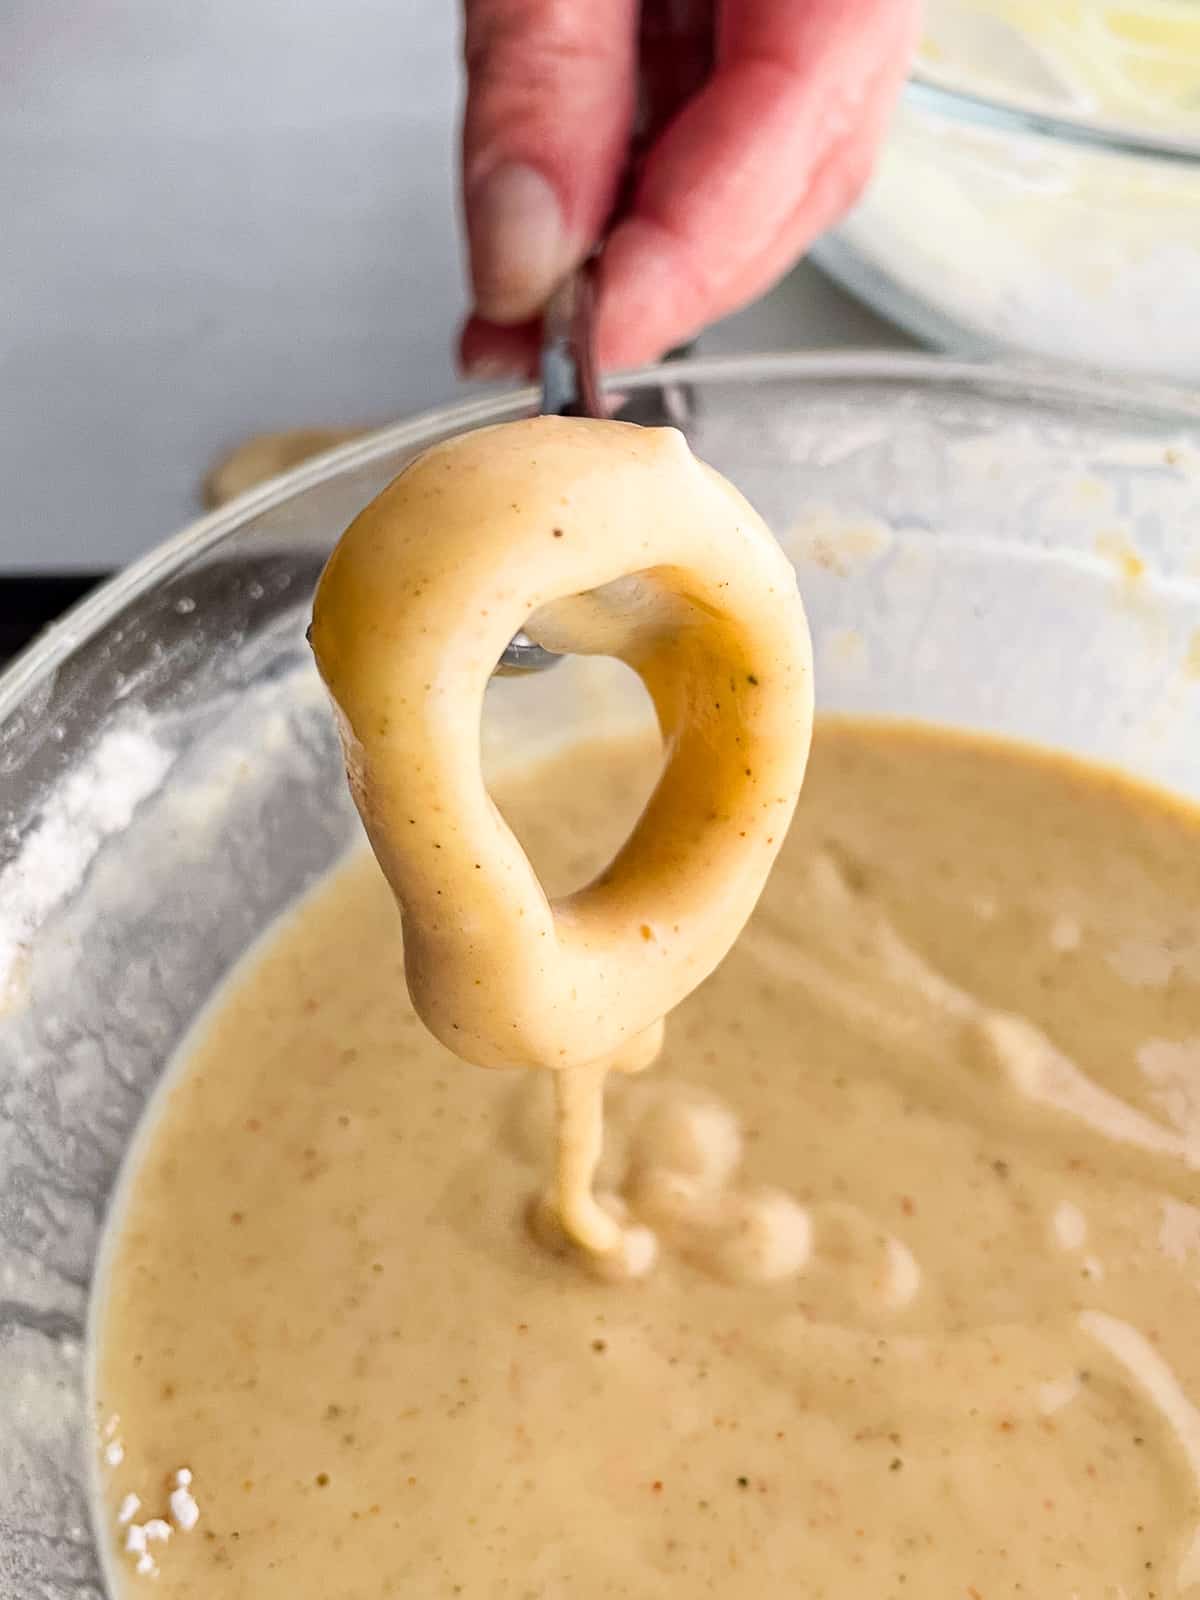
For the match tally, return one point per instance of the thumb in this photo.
(550, 101)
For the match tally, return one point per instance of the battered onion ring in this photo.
(417, 602)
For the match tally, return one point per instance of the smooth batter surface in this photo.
(923, 1157)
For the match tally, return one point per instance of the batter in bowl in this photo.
(920, 1158)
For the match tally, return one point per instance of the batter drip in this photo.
(598, 538)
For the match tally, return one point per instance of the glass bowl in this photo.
(975, 546)
(1040, 188)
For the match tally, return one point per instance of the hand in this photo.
(768, 152)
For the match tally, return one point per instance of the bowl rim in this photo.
(1008, 380)
(928, 91)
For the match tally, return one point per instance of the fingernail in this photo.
(518, 244)
(491, 368)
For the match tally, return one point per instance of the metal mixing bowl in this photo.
(975, 547)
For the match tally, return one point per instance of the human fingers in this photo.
(771, 151)
(550, 103)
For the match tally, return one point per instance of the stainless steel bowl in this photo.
(975, 547)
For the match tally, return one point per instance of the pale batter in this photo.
(922, 1157)
(600, 538)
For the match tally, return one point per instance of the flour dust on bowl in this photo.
(976, 550)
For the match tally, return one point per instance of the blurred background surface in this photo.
(228, 218)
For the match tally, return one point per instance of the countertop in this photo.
(228, 219)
